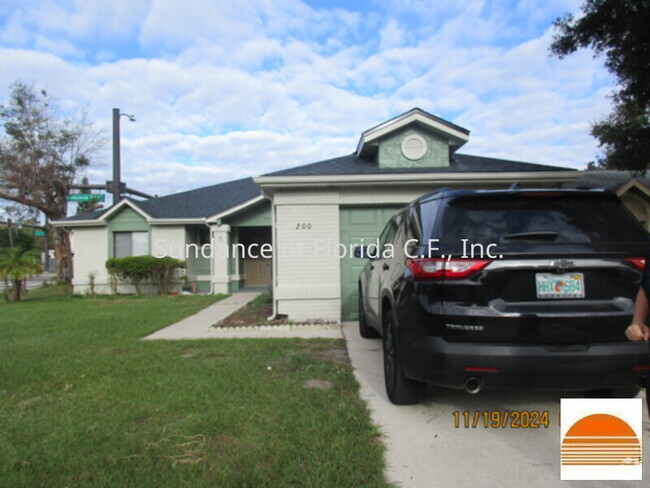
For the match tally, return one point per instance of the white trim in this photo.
(77, 223)
(120, 204)
(153, 221)
(416, 178)
(102, 220)
(456, 137)
(633, 184)
(150, 220)
(238, 208)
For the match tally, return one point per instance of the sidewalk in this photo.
(199, 325)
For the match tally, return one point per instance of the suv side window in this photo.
(426, 214)
(400, 236)
(387, 235)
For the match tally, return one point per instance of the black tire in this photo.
(365, 330)
(400, 389)
(628, 392)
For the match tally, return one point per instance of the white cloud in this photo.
(223, 90)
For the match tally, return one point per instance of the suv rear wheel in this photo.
(365, 330)
(400, 389)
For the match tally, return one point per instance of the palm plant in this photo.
(16, 264)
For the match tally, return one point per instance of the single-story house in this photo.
(294, 230)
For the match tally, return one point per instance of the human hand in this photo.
(638, 332)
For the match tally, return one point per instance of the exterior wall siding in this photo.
(259, 215)
(308, 278)
(168, 241)
(390, 151)
(90, 255)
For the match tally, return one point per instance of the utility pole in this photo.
(116, 156)
(117, 186)
(46, 246)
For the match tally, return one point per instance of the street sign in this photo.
(86, 197)
(40, 233)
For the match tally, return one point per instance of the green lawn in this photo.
(85, 403)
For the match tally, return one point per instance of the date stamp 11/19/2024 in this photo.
(501, 419)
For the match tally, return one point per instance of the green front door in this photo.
(358, 223)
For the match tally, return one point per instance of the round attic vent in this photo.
(414, 147)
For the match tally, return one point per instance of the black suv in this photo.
(527, 289)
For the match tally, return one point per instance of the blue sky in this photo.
(224, 89)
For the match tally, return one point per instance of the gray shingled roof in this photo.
(86, 216)
(611, 180)
(461, 163)
(199, 203)
(202, 202)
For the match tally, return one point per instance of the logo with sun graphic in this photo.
(601, 439)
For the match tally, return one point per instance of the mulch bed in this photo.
(257, 313)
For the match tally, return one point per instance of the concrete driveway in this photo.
(426, 449)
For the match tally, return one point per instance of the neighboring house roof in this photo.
(460, 163)
(200, 203)
(609, 179)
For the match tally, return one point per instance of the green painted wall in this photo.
(203, 286)
(196, 262)
(390, 151)
(260, 215)
(201, 265)
(127, 220)
(233, 286)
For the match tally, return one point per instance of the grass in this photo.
(85, 403)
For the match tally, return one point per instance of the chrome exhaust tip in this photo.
(473, 385)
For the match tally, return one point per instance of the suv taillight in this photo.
(442, 269)
(638, 263)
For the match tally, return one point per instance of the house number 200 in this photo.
(303, 226)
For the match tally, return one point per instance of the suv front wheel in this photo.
(400, 389)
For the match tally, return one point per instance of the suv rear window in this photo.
(509, 220)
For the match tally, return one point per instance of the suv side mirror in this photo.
(366, 252)
(411, 247)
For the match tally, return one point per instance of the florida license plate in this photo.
(569, 285)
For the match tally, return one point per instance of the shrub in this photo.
(16, 264)
(163, 272)
(137, 269)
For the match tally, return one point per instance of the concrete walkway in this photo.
(199, 325)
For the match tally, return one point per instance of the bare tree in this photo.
(41, 155)
(84, 207)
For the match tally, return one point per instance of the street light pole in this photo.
(117, 182)
(116, 155)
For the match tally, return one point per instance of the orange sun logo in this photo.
(600, 440)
